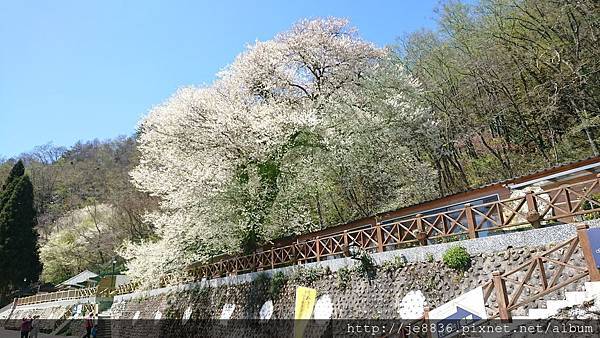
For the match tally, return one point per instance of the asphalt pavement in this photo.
(16, 334)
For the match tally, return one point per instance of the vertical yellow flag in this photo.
(305, 302)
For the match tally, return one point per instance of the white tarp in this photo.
(459, 312)
(471, 302)
(323, 308)
(187, 315)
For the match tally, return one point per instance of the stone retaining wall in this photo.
(346, 294)
(50, 316)
(381, 297)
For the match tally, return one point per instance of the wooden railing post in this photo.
(318, 247)
(567, 198)
(379, 237)
(471, 221)
(299, 261)
(533, 216)
(421, 235)
(272, 257)
(346, 244)
(586, 248)
(294, 254)
(426, 320)
(235, 267)
(501, 296)
(221, 269)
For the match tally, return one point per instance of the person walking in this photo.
(89, 324)
(25, 327)
(35, 327)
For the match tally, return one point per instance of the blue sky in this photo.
(79, 70)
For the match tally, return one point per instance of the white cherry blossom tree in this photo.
(300, 132)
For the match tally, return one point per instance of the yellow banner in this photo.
(305, 303)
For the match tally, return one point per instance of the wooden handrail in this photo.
(548, 281)
(58, 296)
(508, 300)
(471, 221)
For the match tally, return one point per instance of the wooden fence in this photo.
(533, 209)
(59, 295)
(555, 269)
(567, 268)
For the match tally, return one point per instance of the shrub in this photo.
(344, 275)
(586, 205)
(203, 292)
(308, 275)
(392, 265)
(263, 279)
(366, 265)
(277, 283)
(457, 258)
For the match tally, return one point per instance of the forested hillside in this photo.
(513, 86)
(318, 127)
(85, 204)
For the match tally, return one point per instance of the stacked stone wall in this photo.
(360, 297)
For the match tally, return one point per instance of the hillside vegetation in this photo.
(85, 204)
(514, 86)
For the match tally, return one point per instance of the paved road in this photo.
(16, 334)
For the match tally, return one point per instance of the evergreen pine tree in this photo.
(17, 171)
(19, 259)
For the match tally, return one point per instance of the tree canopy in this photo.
(86, 206)
(514, 83)
(301, 132)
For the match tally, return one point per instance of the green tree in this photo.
(19, 261)
(17, 171)
(512, 84)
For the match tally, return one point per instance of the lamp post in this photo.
(114, 278)
(354, 251)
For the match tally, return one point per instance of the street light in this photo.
(354, 251)
(114, 284)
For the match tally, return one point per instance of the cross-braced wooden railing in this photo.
(543, 274)
(533, 209)
(124, 289)
(572, 261)
(57, 296)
